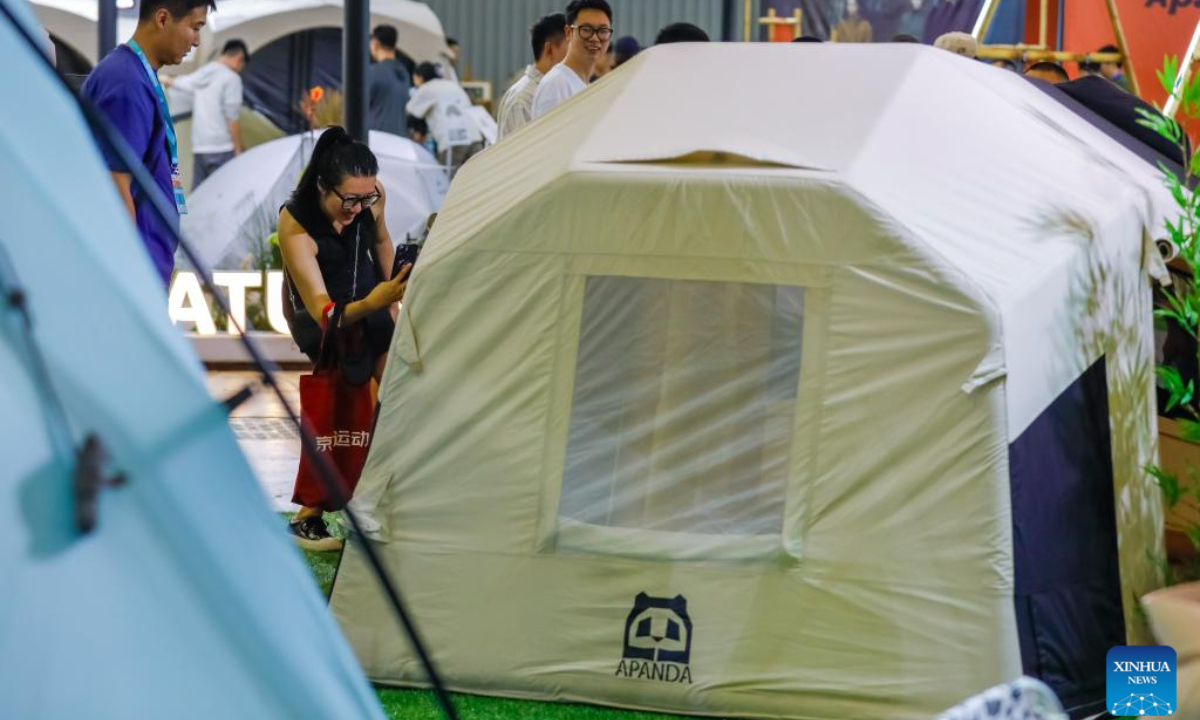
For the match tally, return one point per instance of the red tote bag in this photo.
(341, 417)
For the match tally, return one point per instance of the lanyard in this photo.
(163, 109)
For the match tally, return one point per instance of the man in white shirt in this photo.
(446, 109)
(549, 40)
(589, 30)
(216, 94)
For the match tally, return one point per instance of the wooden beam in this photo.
(1031, 54)
(1044, 25)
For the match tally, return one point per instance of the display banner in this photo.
(878, 20)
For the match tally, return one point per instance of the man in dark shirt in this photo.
(1114, 71)
(1047, 71)
(125, 87)
(388, 83)
(680, 32)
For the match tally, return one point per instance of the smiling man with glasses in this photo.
(589, 30)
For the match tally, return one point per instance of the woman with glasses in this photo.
(337, 252)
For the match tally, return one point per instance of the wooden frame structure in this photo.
(775, 22)
(1043, 51)
(771, 20)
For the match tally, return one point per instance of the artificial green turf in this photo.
(324, 565)
(420, 704)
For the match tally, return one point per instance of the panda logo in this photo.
(659, 630)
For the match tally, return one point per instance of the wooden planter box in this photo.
(1175, 454)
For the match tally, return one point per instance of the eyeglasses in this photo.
(587, 32)
(349, 201)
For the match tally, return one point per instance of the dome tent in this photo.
(297, 44)
(73, 23)
(300, 42)
(775, 408)
(188, 581)
(260, 22)
(255, 22)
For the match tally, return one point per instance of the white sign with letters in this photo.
(188, 304)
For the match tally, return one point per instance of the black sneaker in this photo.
(311, 534)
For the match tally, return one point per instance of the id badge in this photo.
(177, 185)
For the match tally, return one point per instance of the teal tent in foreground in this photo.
(188, 600)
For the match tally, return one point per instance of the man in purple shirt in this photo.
(125, 87)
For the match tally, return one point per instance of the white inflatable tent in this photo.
(255, 22)
(259, 22)
(73, 22)
(187, 600)
(828, 399)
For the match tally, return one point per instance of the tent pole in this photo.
(728, 12)
(1060, 16)
(984, 22)
(1119, 31)
(357, 17)
(1171, 109)
(106, 28)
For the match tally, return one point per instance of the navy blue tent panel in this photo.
(1124, 111)
(1068, 596)
(281, 73)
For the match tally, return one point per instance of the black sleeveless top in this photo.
(347, 260)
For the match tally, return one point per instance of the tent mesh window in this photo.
(682, 415)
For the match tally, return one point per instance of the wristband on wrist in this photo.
(325, 313)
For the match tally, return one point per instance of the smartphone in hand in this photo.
(406, 254)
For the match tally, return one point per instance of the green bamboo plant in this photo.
(1179, 304)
